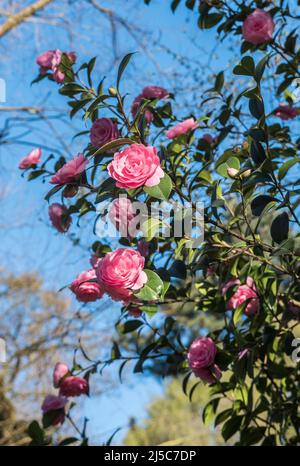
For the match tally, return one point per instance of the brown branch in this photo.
(18, 18)
(21, 109)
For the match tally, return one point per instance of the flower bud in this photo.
(70, 191)
(113, 91)
(232, 172)
(246, 173)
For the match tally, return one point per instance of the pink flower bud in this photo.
(70, 191)
(135, 107)
(286, 112)
(56, 215)
(55, 404)
(182, 128)
(154, 92)
(33, 158)
(232, 172)
(74, 386)
(86, 290)
(70, 171)
(60, 371)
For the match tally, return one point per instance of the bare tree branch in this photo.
(21, 109)
(15, 20)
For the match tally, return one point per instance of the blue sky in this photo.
(29, 243)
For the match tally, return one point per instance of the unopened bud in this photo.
(70, 191)
(112, 91)
(246, 173)
(232, 172)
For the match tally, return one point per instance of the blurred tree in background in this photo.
(171, 421)
(38, 325)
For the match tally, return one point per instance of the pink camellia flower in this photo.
(70, 171)
(58, 75)
(103, 131)
(182, 128)
(143, 247)
(154, 92)
(243, 292)
(258, 27)
(85, 290)
(121, 272)
(55, 404)
(136, 105)
(50, 61)
(74, 386)
(60, 371)
(33, 158)
(136, 166)
(285, 112)
(210, 374)
(201, 353)
(56, 213)
(121, 213)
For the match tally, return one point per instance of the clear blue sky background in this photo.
(29, 243)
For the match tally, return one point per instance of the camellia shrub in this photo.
(238, 155)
